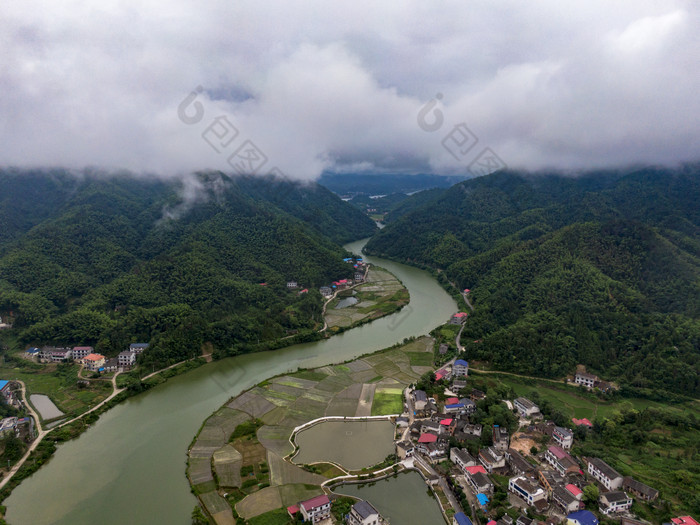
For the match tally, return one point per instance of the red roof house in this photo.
(574, 490)
(451, 401)
(584, 421)
(427, 438)
(684, 520)
(474, 470)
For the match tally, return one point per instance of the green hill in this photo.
(92, 259)
(601, 269)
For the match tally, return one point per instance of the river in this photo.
(129, 467)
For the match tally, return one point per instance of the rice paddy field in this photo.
(380, 295)
(253, 470)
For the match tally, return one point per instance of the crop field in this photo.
(370, 385)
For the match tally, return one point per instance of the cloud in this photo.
(340, 86)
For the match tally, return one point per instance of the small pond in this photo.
(344, 303)
(352, 444)
(45, 407)
(404, 499)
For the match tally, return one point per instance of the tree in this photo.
(590, 494)
(198, 517)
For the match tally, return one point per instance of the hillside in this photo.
(601, 269)
(92, 259)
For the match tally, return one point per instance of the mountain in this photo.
(88, 258)
(602, 269)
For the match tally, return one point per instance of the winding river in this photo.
(130, 466)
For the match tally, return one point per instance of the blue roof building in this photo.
(461, 519)
(3, 384)
(461, 362)
(483, 499)
(582, 517)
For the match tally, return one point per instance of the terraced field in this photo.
(372, 384)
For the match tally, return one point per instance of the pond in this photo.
(45, 407)
(352, 444)
(404, 499)
(344, 303)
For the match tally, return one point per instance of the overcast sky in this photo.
(320, 85)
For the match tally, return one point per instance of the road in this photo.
(443, 484)
(41, 433)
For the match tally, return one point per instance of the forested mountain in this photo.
(601, 269)
(106, 260)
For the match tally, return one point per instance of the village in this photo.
(546, 487)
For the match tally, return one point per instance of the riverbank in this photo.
(134, 452)
(283, 406)
(381, 294)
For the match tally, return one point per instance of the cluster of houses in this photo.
(21, 427)
(318, 509)
(87, 356)
(551, 482)
(341, 284)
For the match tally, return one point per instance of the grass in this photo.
(274, 517)
(420, 358)
(387, 403)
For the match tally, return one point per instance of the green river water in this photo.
(129, 468)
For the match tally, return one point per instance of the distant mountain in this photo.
(601, 269)
(103, 260)
(347, 184)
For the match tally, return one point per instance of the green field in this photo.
(420, 358)
(386, 403)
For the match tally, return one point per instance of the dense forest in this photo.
(601, 269)
(91, 259)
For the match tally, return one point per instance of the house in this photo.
(52, 354)
(491, 458)
(405, 449)
(138, 347)
(549, 479)
(126, 359)
(458, 383)
(420, 399)
(462, 458)
(584, 421)
(604, 473)
(94, 362)
(460, 368)
(442, 349)
(468, 404)
(32, 353)
(478, 480)
(81, 351)
(111, 365)
(562, 462)
(363, 513)
(461, 518)
(458, 318)
(585, 379)
(477, 395)
(525, 407)
(430, 426)
(7, 425)
(527, 489)
(563, 437)
(359, 277)
(501, 438)
(517, 463)
(524, 520)
(684, 520)
(325, 291)
(582, 517)
(639, 489)
(441, 374)
(455, 408)
(292, 284)
(316, 509)
(566, 500)
(614, 502)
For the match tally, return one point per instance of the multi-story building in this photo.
(614, 502)
(610, 478)
(527, 489)
(526, 407)
(364, 513)
(460, 368)
(585, 379)
(563, 437)
(501, 439)
(461, 458)
(316, 509)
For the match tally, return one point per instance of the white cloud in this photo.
(339, 85)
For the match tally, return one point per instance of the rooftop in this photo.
(364, 509)
(583, 421)
(462, 519)
(461, 362)
(584, 517)
(312, 503)
(427, 438)
(474, 470)
(615, 496)
(606, 469)
(574, 489)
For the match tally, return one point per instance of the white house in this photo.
(613, 502)
(526, 489)
(605, 474)
(563, 437)
(526, 407)
(316, 509)
(363, 513)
